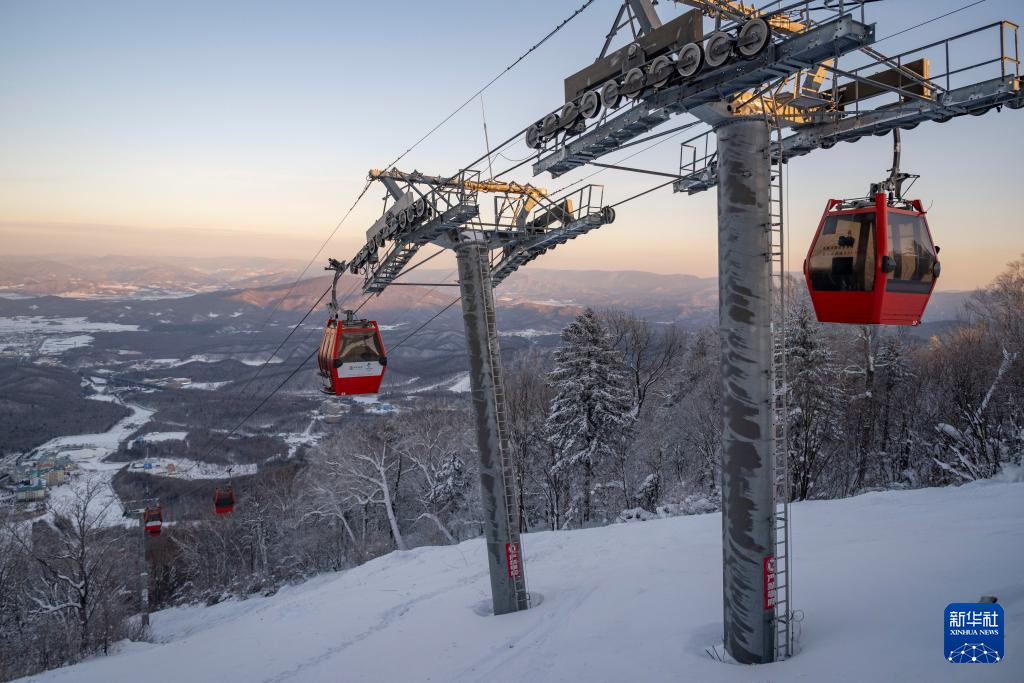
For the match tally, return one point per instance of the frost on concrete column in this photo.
(499, 514)
(744, 289)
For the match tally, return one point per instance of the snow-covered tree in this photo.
(440, 482)
(81, 578)
(981, 446)
(815, 400)
(593, 406)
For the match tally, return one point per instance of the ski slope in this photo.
(630, 602)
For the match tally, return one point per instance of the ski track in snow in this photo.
(628, 602)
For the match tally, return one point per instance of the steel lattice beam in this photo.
(785, 58)
(975, 99)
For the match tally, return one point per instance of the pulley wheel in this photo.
(403, 220)
(753, 38)
(568, 115)
(689, 60)
(661, 69)
(549, 126)
(533, 140)
(610, 95)
(590, 104)
(633, 83)
(718, 49)
(419, 208)
(608, 214)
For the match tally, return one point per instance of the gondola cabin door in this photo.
(352, 359)
(872, 262)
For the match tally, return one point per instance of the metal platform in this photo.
(398, 256)
(958, 89)
(974, 99)
(520, 253)
(787, 57)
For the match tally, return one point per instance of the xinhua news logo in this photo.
(974, 633)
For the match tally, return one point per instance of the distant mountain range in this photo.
(532, 297)
(118, 276)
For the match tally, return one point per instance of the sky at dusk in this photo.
(247, 129)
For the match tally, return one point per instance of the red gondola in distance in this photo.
(352, 358)
(872, 262)
(224, 500)
(152, 520)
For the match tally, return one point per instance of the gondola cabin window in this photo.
(843, 258)
(912, 254)
(359, 347)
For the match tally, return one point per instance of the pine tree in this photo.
(592, 408)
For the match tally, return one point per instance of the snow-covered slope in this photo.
(636, 602)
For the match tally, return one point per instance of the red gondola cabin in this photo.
(224, 500)
(351, 357)
(153, 520)
(872, 262)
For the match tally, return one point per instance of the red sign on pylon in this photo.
(515, 570)
(769, 582)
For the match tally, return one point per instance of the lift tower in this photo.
(752, 76)
(524, 222)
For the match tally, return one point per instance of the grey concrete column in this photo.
(744, 289)
(499, 514)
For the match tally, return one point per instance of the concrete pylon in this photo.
(500, 515)
(744, 305)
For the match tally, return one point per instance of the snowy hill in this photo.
(637, 602)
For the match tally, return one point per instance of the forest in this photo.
(621, 423)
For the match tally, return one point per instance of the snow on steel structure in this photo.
(752, 76)
(525, 222)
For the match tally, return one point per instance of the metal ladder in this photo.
(780, 447)
(501, 415)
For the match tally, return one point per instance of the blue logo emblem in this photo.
(974, 633)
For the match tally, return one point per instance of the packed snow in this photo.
(457, 384)
(246, 359)
(54, 346)
(206, 386)
(184, 468)
(44, 325)
(52, 336)
(161, 436)
(628, 602)
(528, 333)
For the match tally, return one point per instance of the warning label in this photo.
(769, 582)
(515, 570)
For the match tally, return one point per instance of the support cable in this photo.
(262, 403)
(397, 159)
(283, 341)
(430, 320)
(928, 21)
(641, 194)
(318, 251)
(491, 82)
